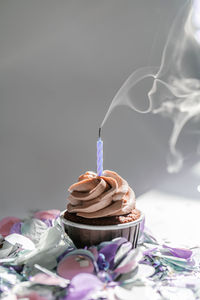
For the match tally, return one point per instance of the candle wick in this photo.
(99, 132)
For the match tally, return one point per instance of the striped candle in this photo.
(99, 157)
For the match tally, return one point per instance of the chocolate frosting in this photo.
(100, 196)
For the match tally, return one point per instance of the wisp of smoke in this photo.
(175, 92)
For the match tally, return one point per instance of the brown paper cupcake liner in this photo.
(87, 235)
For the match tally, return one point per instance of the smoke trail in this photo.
(176, 83)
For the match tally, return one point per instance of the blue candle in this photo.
(99, 156)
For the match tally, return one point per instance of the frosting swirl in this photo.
(100, 196)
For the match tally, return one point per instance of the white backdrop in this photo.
(61, 62)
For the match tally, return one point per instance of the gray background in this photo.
(61, 62)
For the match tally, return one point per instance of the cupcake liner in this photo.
(87, 235)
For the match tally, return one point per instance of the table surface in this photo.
(173, 210)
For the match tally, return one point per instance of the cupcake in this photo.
(101, 208)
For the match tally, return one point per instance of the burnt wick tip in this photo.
(99, 132)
